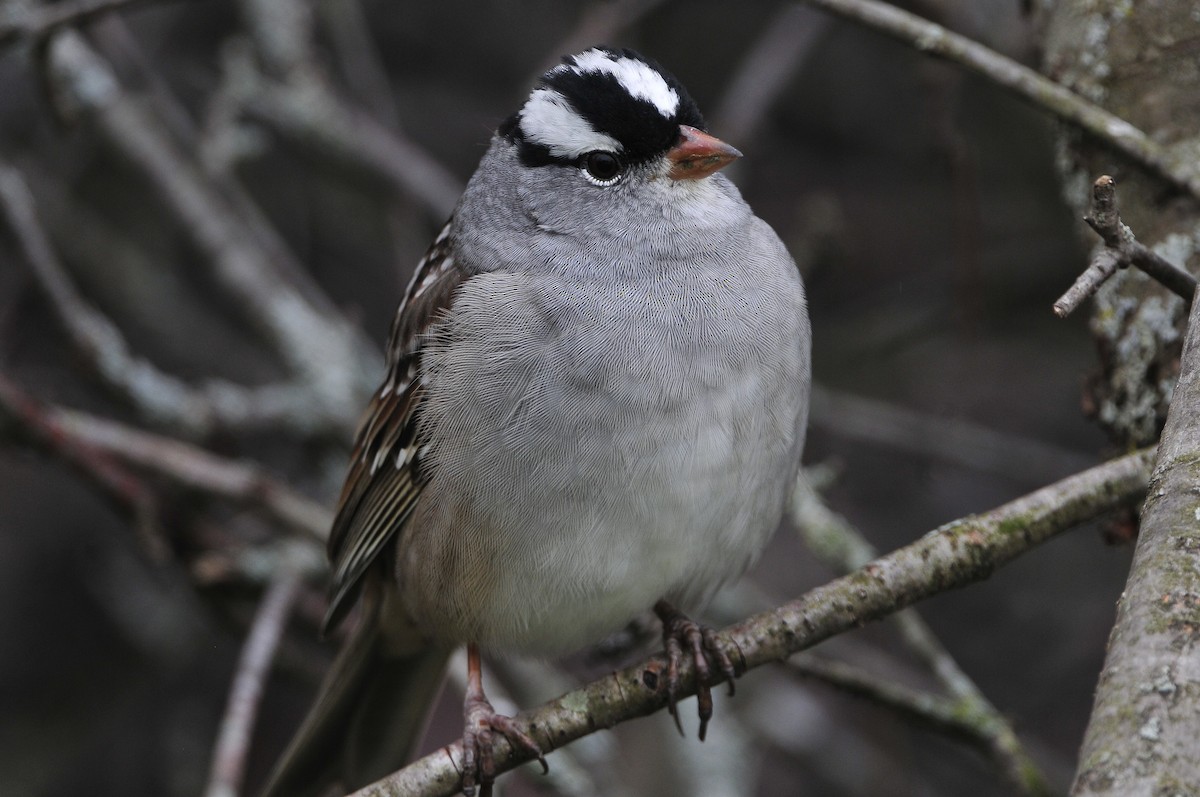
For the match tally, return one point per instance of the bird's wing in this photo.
(385, 476)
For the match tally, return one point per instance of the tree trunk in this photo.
(1139, 61)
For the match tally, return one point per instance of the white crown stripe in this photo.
(636, 77)
(548, 119)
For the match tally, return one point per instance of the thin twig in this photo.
(954, 555)
(320, 121)
(935, 40)
(282, 31)
(113, 37)
(1121, 249)
(1103, 265)
(196, 469)
(176, 118)
(233, 739)
(598, 22)
(932, 711)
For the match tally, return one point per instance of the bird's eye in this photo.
(602, 168)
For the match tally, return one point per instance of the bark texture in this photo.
(1140, 61)
(1141, 739)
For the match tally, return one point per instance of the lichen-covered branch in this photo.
(954, 555)
(1141, 738)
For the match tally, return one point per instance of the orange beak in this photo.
(698, 154)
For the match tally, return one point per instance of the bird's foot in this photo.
(480, 722)
(708, 653)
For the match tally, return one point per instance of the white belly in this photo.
(608, 488)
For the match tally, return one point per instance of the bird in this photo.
(596, 392)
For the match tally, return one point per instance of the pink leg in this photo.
(480, 720)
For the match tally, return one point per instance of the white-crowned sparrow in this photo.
(595, 403)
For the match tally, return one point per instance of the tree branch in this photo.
(1121, 250)
(954, 555)
(199, 470)
(358, 56)
(783, 46)
(295, 100)
(598, 22)
(318, 120)
(1044, 93)
(1145, 709)
(961, 442)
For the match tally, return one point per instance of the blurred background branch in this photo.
(1028, 84)
(20, 20)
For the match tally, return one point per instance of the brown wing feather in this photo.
(385, 479)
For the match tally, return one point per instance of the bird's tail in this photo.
(368, 716)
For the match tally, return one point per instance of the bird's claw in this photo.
(708, 653)
(479, 764)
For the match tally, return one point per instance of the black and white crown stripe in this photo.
(635, 75)
(549, 118)
(602, 99)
